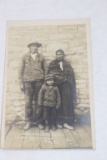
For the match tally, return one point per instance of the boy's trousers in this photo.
(49, 114)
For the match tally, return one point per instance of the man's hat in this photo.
(34, 44)
(49, 76)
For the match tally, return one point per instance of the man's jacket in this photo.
(31, 70)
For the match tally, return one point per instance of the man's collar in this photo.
(37, 54)
(34, 53)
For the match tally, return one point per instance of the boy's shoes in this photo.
(54, 128)
(41, 127)
(59, 126)
(34, 124)
(47, 128)
(28, 125)
(68, 126)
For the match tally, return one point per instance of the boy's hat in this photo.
(49, 76)
(34, 44)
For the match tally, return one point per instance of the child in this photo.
(49, 99)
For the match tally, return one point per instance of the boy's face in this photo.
(50, 82)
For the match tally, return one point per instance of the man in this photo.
(65, 80)
(31, 76)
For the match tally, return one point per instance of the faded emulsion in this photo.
(47, 87)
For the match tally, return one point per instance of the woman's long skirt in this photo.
(66, 112)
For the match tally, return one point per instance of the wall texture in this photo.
(70, 38)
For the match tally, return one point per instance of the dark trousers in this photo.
(49, 114)
(31, 100)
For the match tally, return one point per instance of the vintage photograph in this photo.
(48, 97)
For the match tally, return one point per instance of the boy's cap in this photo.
(34, 44)
(49, 76)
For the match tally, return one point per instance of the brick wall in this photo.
(72, 39)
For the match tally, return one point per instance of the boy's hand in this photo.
(37, 111)
(57, 107)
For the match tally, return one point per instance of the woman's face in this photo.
(59, 56)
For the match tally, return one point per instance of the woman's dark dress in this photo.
(65, 80)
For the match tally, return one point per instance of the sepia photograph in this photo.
(48, 87)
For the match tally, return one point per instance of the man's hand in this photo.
(39, 108)
(74, 102)
(22, 87)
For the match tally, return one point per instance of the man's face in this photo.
(33, 49)
(59, 56)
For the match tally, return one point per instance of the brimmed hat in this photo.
(49, 76)
(34, 44)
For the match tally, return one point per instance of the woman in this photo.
(65, 80)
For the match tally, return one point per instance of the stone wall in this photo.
(70, 38)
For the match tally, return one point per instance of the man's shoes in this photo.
(41, 127)
(47, 128)
(54, 128)
(28, 125)
(59, 126)
(68, 126)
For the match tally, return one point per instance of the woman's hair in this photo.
(60, 50)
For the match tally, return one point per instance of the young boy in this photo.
(49, 99)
